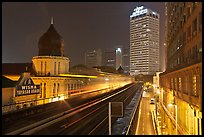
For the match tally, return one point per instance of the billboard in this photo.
(27, 88)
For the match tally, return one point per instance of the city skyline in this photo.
(47, 89)
(79, 31)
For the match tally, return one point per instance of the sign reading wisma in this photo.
(26, 86)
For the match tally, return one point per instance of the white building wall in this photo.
(46, 64)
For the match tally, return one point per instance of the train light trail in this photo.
(81, 76)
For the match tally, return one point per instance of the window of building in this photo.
(58, 88)
(58, 67)
(193, 6)
(45, 67)
(44, 90)
(71, 86)
(188, 12)
(179, 84)
(55, 68)
(41, 67)
(178, 60)
(175, 84)
(194, 27)
(24, 105)
(184, 86)
(200, 20)
(172, 84)
(148, 30)
(54, 88)
(40, 90)
(184, 18)
(194, 92)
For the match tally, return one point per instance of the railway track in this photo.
(68, 121)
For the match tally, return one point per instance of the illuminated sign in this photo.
(138, 11)
(27, 88)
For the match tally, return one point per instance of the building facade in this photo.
(93, 58)
(109, 58)
(144, 41)
(126, 60)
(118, 58)
(45, 71)
(181, 83)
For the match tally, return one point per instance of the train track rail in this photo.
(40, 125)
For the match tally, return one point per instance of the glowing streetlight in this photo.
(170, 105)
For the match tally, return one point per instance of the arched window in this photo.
(17, 107)
(45, 67)
(41, 67)
(55, 69)
(40, 90)
(24, 105)
(58, 67)
(54, 89)
(58, 88)
(44, 90)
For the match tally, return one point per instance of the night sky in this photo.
(83, 26)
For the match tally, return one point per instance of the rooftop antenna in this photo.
(52, 21)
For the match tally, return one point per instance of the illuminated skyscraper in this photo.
(118, 57)
(144, 41)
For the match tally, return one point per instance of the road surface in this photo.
(145, 125)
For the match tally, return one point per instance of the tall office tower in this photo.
(144, 41)
(109, 58)
(93, 58)
(118, 58)
(165, 39)
(126, 60)
(181, 83)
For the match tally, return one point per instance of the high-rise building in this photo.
(126, 60)
(144, 41)
(118, 58)
(109, 58)
(181, 83)
(93, 58)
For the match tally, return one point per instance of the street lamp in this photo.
(176, 116)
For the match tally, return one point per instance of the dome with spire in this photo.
(51, 43)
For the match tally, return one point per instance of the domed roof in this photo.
(51, 43)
